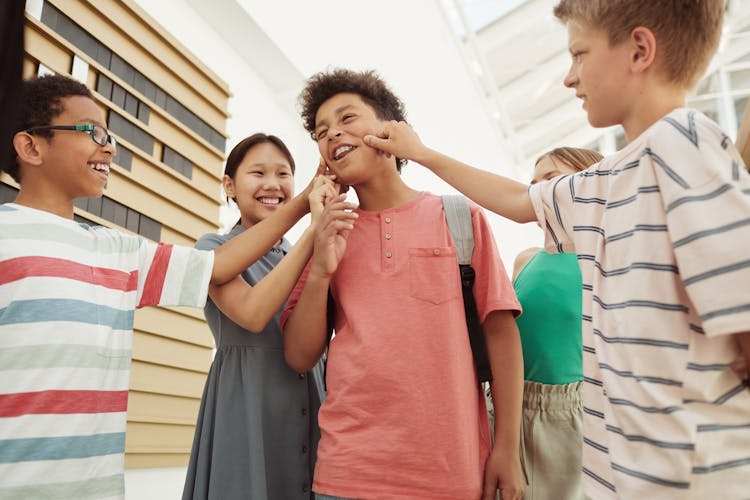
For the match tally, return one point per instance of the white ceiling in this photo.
(521, 59)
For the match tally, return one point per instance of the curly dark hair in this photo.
(367, 84)
(41, 102)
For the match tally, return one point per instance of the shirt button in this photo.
(304, 411)
(388, 255)
(387, 220)
(305, 489)
(301, 375)
(436, 251)
(304, 449)
(387, 236)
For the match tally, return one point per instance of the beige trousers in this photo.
(551, 440)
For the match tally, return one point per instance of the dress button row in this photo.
(387, 236)
(387, 220)
(388, 255)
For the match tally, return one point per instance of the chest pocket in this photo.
(433, 274)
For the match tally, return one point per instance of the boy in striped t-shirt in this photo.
(68, 293)
(661, 229)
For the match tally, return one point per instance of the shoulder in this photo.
(522, 259)
(210, 241)
(689, 147)
(688, 128)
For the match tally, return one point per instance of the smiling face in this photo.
(340, 124)
(71, 160)
(262, 183)
(599, 74)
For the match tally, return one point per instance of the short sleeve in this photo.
(705, 190)
(173, 275)
(492, 288)
(553, 205)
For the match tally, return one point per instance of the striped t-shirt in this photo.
(68, 293)
(662, 232)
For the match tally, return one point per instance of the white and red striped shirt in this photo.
(68, 294)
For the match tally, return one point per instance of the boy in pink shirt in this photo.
(404, 416)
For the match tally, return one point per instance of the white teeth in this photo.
(270, 201)
(338, 152)
(100, 167)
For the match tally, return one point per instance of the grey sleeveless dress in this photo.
(257, 430)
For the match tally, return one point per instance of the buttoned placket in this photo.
(386, 231)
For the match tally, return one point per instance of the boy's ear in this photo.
(643, 45)
(27, 148)
(228, 184)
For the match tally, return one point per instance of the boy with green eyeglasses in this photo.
(68, 293)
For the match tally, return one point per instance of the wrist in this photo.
(318, 277)
(424, 156)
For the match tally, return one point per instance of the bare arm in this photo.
(499, 194)
(743, 339)
(252, 307)
(503, 470)
(522, 259)
(305, 332)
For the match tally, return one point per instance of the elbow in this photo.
(297, 362)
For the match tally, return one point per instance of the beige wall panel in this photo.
(169, 352)
(138, 44)
(158, 438)
(175, 238)
(29, 67)
(173, 186)
(47, 50)
(148, 171)
(170, 323)
(158, 408)
(203, 155)
(169, 212)
(189, 135)
(165, 380)
(193, 312)
(143, 460)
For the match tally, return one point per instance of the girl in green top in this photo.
(548, 287)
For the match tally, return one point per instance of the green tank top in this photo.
(549, 290)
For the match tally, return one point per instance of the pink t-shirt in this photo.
(403, 417)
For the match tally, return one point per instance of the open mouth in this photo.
(271, 201)
(342, 151)
(101, 168)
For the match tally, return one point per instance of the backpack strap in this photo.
(458, 217)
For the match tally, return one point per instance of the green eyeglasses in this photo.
(99, 134)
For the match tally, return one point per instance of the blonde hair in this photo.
(575, 158)
(687, 31)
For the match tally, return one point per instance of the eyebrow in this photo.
(271, 164)
(92, 120)
(338, 111)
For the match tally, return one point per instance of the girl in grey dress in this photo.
(257, 431)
